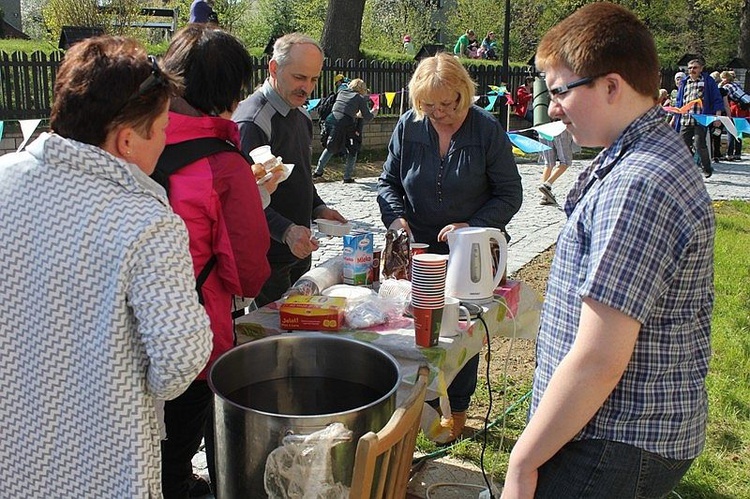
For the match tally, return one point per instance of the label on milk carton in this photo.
(358, 259)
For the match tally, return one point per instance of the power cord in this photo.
(487, 425)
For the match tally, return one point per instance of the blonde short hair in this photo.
(727, 75)
(358, 85)
(437, 73)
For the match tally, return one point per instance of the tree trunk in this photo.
(743, 44)
(342, 33)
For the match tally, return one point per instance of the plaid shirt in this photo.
(639, 238)
(693, 90)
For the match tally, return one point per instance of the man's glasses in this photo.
(567, 87)
(155, 79)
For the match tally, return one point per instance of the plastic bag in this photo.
(316, 280)
(374, 311)
(301, 467)
(396, 255)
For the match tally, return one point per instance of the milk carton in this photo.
(358, 259)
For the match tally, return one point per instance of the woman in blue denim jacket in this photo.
(450, 165)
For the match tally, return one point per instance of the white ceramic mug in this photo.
(455, 317)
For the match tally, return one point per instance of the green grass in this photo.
(723, 470)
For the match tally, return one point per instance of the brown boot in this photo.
(459, 421)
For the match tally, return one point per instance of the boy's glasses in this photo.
(567, 87)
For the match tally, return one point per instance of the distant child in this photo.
(409, 46)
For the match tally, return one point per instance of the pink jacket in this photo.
(218, 199)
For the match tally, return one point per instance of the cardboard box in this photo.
(312, 313)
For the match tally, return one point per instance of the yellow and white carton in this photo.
(312, 313)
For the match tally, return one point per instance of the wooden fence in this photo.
(27, 81)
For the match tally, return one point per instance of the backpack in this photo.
(176, 156)
(739, 96)
(326, 107)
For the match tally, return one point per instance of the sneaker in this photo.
(547, 192)
(546, 202)
(349, 181)
(317, 175)
(199, 487)
(708, 172)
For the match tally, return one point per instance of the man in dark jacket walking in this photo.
(698, 85)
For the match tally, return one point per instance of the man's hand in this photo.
(330, 214)
(272, 183)
(300, 241)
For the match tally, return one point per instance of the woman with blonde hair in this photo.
(343, 127)
(450, 165)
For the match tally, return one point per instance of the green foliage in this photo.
(270, 18)
(28, 46)
(385, 23)
(115, 19)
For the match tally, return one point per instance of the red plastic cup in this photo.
(427, 322)
(418, 248)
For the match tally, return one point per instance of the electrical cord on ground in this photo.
(489, 407)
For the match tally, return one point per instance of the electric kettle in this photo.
(469, 275)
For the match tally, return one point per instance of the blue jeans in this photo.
(603, 468)
(325, 157)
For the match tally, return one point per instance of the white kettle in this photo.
(469, 275)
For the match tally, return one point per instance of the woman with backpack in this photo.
(349, 114)
(220, 202)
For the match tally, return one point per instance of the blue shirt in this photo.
(639, 238)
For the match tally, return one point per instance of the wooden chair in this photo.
(383, 459)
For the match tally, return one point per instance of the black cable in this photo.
(489, 408)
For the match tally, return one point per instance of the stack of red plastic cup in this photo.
(428, 296)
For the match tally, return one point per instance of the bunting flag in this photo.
(312, 104)
(526, 144)
(476, 98)
(501, 90)
(684, 109)
(375, 98)
(2, 125)
(389, 96)
(707, 119)
(27, 128)
(510, 100)
(742, 125)
(550, 130)
(517, 151)
(491, 105)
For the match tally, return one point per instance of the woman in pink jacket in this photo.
(220, 202)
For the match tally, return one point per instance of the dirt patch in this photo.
(520, 361)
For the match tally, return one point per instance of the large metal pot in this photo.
(246, 435)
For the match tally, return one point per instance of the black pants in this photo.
(283, 275)
(185, 418)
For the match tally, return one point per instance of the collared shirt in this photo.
(693, 91)
(639, 238)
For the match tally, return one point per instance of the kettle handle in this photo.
(499, 236)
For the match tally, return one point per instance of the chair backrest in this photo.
(383, 459)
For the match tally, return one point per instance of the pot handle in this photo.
(499, 237)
